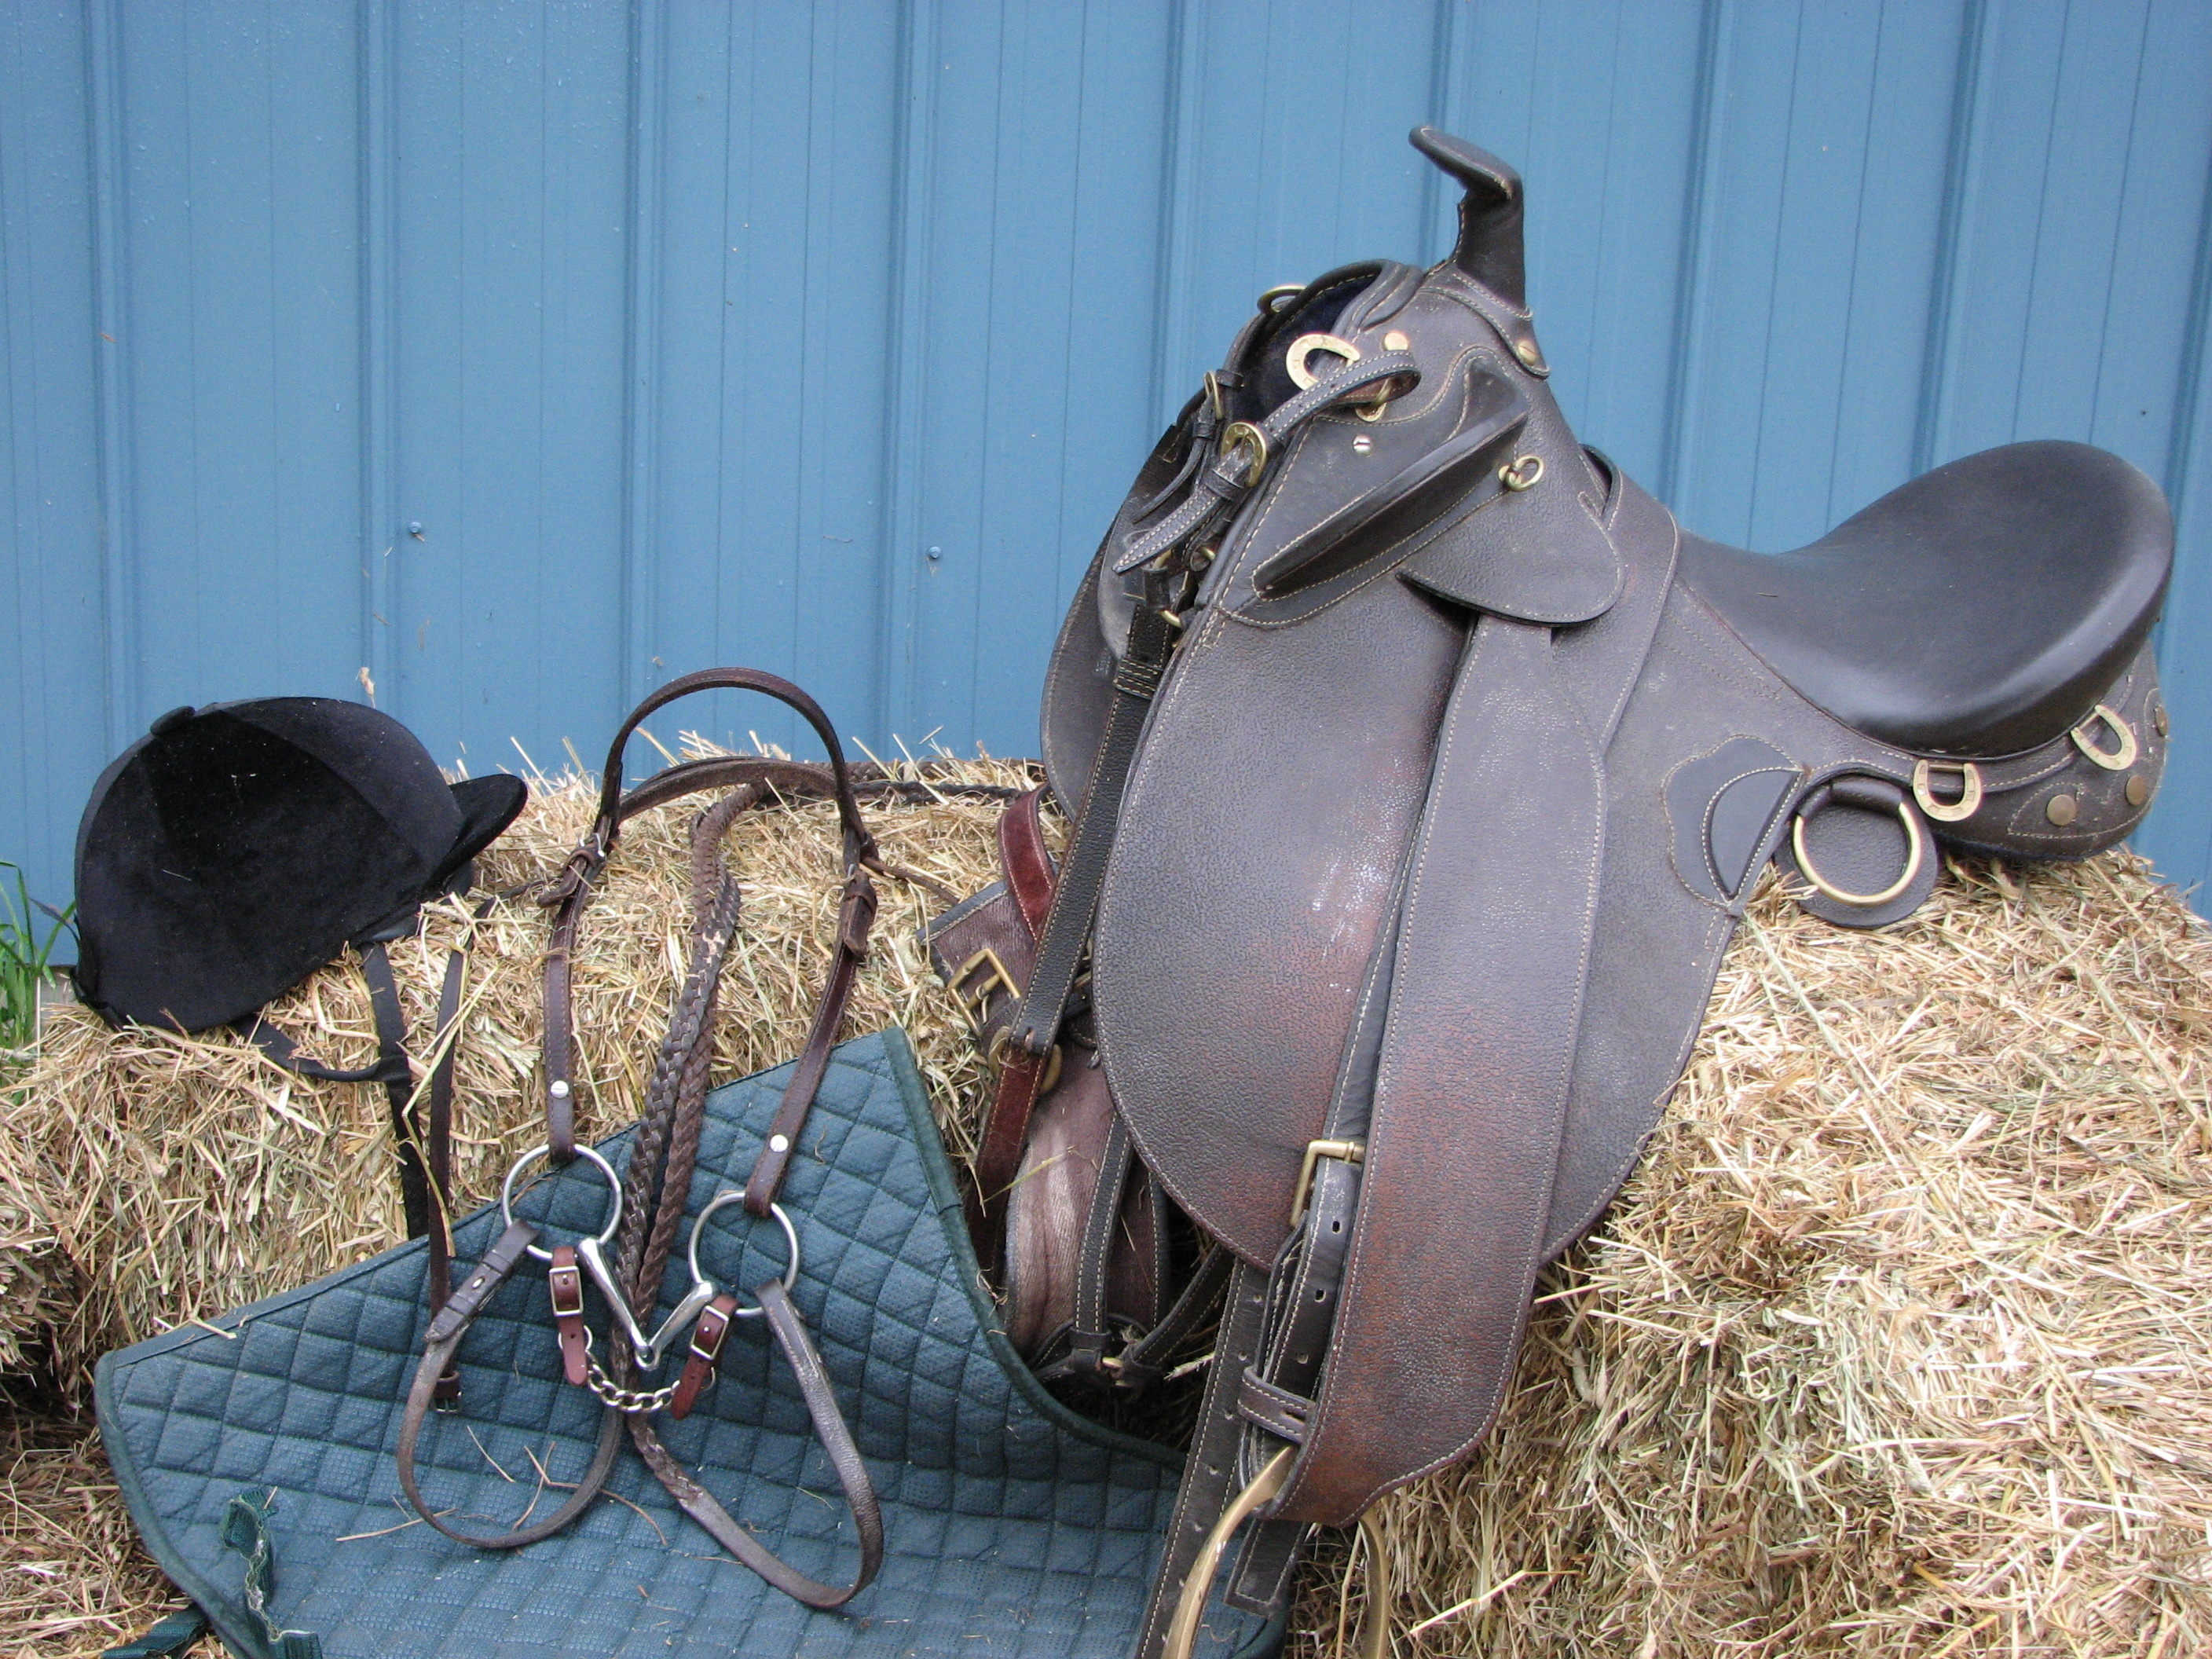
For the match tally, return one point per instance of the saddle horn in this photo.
(1489, 249)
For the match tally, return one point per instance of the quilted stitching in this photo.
(1011, 1527)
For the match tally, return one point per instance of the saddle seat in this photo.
(1976, 611)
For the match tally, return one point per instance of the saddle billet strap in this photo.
(441, 1344)
(837, 1438)
(1034, 1028)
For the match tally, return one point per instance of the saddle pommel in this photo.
(1489, 248)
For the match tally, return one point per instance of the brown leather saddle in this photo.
(1421, 767)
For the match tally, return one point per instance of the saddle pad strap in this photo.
(176, 1633)
(1471, 1087)
(830, 1427)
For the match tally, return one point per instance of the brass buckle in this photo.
(1002, 1041)
(1347, 1151)
(973, 1003)
(1242, 435)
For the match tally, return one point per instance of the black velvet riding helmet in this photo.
(234, 850)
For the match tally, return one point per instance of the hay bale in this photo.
(1897, 1344)
(1900, 1342)
(73, 1580)
(149, 1178)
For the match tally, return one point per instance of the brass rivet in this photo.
(1394, 341)
(1362, 445)
(2060, 810)
(1526, 351)
(2158, 718)
(2138, 790)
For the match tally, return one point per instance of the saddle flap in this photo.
(1537, 551)
(1426, 464)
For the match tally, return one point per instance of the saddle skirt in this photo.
(1454, 777)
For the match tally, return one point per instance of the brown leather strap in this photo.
(1494, 939)
(1088, 1337)
(440, 1343)
(707, 1339)
(570, 890)
(1035, 1027)
(696, 1501)
(1023, 856)
(1211, 1472)
(855, 915)
(564, 1288)
(999, 1150)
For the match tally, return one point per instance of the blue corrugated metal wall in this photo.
(515, 357)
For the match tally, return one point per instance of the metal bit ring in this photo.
(614, 1185)
(731, 1195)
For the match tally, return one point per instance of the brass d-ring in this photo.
(2116, 760)
(1295, 355)
(1244, 434)
(1970, 792)
(1522, 473)
(1913, 833)
(1275, 296)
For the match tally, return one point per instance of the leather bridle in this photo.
(649, 1199)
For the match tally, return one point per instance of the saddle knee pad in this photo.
(1011, 1525)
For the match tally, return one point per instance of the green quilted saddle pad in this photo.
(1011, 1525)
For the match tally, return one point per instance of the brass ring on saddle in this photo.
(614, 1185)
(1521, 472)
(1242, 435)
(1295, 356)
(1275, 296)
(1916, 837)
(1970, 791)
(2114, 760)
(733, 1195)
